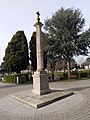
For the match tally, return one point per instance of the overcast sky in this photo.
(21, 15)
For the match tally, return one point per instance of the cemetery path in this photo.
(75, 107)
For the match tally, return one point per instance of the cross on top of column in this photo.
(38, 14)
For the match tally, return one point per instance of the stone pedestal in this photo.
(40, 83)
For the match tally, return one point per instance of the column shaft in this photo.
(39, 48)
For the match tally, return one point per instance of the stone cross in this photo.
(38, 14)
(40, 77)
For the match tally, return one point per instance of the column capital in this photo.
(38, 23)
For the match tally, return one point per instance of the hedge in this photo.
(10, 78)
(73, 74)
(13, 78)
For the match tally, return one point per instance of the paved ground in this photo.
(75, 107)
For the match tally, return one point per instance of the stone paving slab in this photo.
(74, 107)
(37, 101)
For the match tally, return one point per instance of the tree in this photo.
(32, 47)
(86, 63)
(83, 43)
(65, 34)
(16, 54)
(2, 70)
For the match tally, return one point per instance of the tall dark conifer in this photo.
(32, 46)
(16, 54)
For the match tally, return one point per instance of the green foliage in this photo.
(32, 47)
(87, 62)
(65, 34)
(62, 75)
(13, 78)
(83, 73)
(16, 54)
(10, 78)
(64, 29)
(73, 75)
(2, 70)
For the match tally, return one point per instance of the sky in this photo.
(21, 15)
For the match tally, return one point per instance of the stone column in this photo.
(39, 45)
(40, 77)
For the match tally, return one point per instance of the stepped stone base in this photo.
(38, 101)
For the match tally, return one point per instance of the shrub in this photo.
(10, 78)
(62, 75)
(23, 78)
(83, 73)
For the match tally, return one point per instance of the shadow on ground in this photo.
(78, 88)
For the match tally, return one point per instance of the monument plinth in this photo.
(40, 77)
